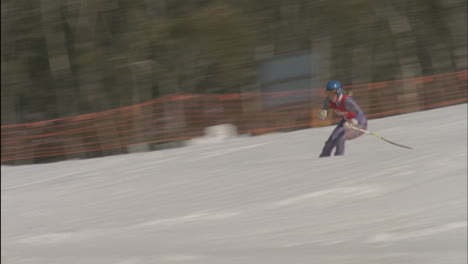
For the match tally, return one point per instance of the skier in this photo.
(352, 114)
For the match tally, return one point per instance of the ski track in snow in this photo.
(265, 199)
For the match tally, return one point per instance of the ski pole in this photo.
(379, 137)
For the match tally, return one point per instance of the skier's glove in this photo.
(322, 115)
(350, 123)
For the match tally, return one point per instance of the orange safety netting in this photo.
(181, 117)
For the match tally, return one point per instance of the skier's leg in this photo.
(340, 144)
(327, 149)
(331, 142)
(352, 134)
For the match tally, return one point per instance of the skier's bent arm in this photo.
(353, 110)
(326, 104)
(323, 113)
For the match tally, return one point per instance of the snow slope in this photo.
(265, 199)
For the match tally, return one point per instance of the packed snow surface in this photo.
(260, 200)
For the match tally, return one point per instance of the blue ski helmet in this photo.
(334, 86)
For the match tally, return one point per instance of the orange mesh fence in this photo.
(180, 117)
